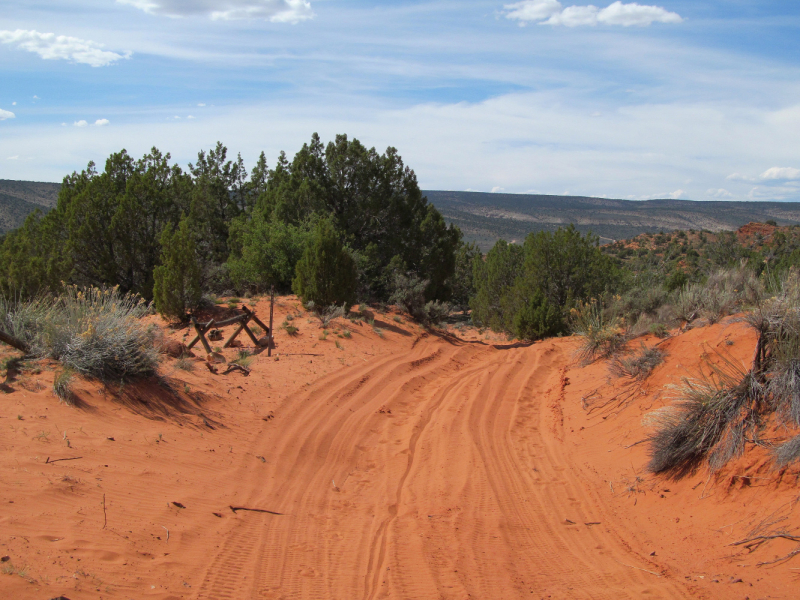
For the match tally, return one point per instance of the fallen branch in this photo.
(48, 461)
(258, 510)
(14, 342)
(236, 367)
(779, 560)
(167, 530)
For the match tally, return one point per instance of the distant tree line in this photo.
(339, 223)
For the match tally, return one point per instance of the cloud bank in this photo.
(6, 114)
(277, 11)
(551, 12)
(61, 47)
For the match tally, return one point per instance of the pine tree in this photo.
(177, 278)
(326, 274)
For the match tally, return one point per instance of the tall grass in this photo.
(95, 332)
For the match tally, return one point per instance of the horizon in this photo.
(666, 100)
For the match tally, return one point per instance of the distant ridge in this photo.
(18, 199)
(484, 218)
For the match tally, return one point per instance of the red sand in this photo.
(405, 466)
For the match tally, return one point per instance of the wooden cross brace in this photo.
(202, 328)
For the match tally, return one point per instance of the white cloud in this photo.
(201, 104)
(497, 188)
(719, 193)
(190, 117)
(16, 157)
(551, 12)
(13, 104)
(101, 122)
(786, 173)
(533, 10)
(277, 11)
(61, 47)
(6, 114)
(35, 97)
(81, 123)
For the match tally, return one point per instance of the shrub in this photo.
(96, 332)
(602, 336)
(434, 312)
(537, 319)
(409, 293)
(326, 274)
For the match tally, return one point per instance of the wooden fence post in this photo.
(271, 306)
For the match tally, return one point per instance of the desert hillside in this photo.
(380, 460)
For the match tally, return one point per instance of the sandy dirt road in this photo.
(436, 472)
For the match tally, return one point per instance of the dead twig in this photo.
(637, 443)
(48, 461)
(167, 530)
(763, 538)
(105, 515)
(258, 510)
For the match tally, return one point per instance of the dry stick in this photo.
(48, 461)
(637, 443)
(259, 510)
(764, 538)
(105, 516)
(167, 530)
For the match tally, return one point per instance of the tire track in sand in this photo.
(430, 474)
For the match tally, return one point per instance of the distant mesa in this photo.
(485, 218)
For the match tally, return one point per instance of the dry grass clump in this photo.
(724, 292)
(602, 336)
(62, 386)
(714, 418)
(719, 414)
(93, 331)
(326, 314)
(639, 365)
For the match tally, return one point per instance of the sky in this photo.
(680, 99)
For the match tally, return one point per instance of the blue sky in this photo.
(697, 100)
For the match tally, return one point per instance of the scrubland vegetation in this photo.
(341, 224)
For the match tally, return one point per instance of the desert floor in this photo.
(393, 463)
